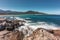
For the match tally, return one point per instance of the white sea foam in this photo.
(18, 18)
(34, 26)
(28, 27)
(41, 25)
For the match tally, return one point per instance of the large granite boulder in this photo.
(11, 35)
(42, 34)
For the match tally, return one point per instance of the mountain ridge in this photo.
(8, 12)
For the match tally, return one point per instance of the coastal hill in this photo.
(8, 12)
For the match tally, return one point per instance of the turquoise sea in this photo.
(55, 19)
(49, 19)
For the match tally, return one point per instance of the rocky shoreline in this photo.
(8, 32)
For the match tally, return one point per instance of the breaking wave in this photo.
(29, 26)
(35, 25)
(38, 24)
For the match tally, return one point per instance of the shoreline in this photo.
(45, 27)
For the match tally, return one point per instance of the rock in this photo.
(56, 32)
(41, 34)
(2, 28)
(16, 35)
(38, 34)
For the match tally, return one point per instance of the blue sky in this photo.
(47, 6)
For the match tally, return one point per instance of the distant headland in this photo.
(8, 12)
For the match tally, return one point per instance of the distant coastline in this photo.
(8, 12)
(4, 13)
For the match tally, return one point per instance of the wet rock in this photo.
(2, 27)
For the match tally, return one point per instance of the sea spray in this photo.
(36, 25)
(29, 26)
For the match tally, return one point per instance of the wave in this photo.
(38, 24)
(29, 26)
